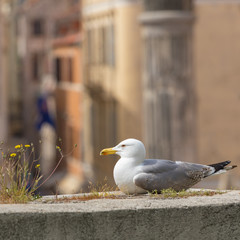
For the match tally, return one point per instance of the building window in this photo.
(168, 5)
(58, 73)
(89, 46)
(21, 2)
(37, 27)
(69, 63)
(101, 45)
(36, 66)
(109, 46)
(64, 70)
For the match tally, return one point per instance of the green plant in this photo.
(20, 174)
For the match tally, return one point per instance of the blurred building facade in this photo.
(49, 46)
(35, 34)
(217, 75)
(112, 79)
(10, 92)
(67, 56)
(169, 94)
(165, 72)
(177, 102)
(3, 76)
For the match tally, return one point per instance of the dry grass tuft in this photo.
(170, 193)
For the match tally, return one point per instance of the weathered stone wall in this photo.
(145, 217)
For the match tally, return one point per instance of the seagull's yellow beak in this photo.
(107, 151)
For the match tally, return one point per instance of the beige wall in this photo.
(122, 81)
(217, 72)
(128, 72)
(109, 86)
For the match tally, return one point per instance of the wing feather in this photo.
(159, 174)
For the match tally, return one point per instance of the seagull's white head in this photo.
(129, 148)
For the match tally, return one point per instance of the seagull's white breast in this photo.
(124, 172)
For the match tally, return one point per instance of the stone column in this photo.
(169, 97)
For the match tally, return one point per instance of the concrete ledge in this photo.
(141, 217)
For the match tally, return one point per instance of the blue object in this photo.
(44, 115)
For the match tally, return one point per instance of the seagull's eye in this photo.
(123, 145)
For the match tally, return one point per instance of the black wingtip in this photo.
(221, 165)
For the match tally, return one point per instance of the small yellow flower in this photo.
(37, 166)
(27, 146)
(18, 146)
(13, 155)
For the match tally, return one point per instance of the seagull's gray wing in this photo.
(159, 174)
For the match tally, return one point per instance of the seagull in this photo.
(133, 174)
